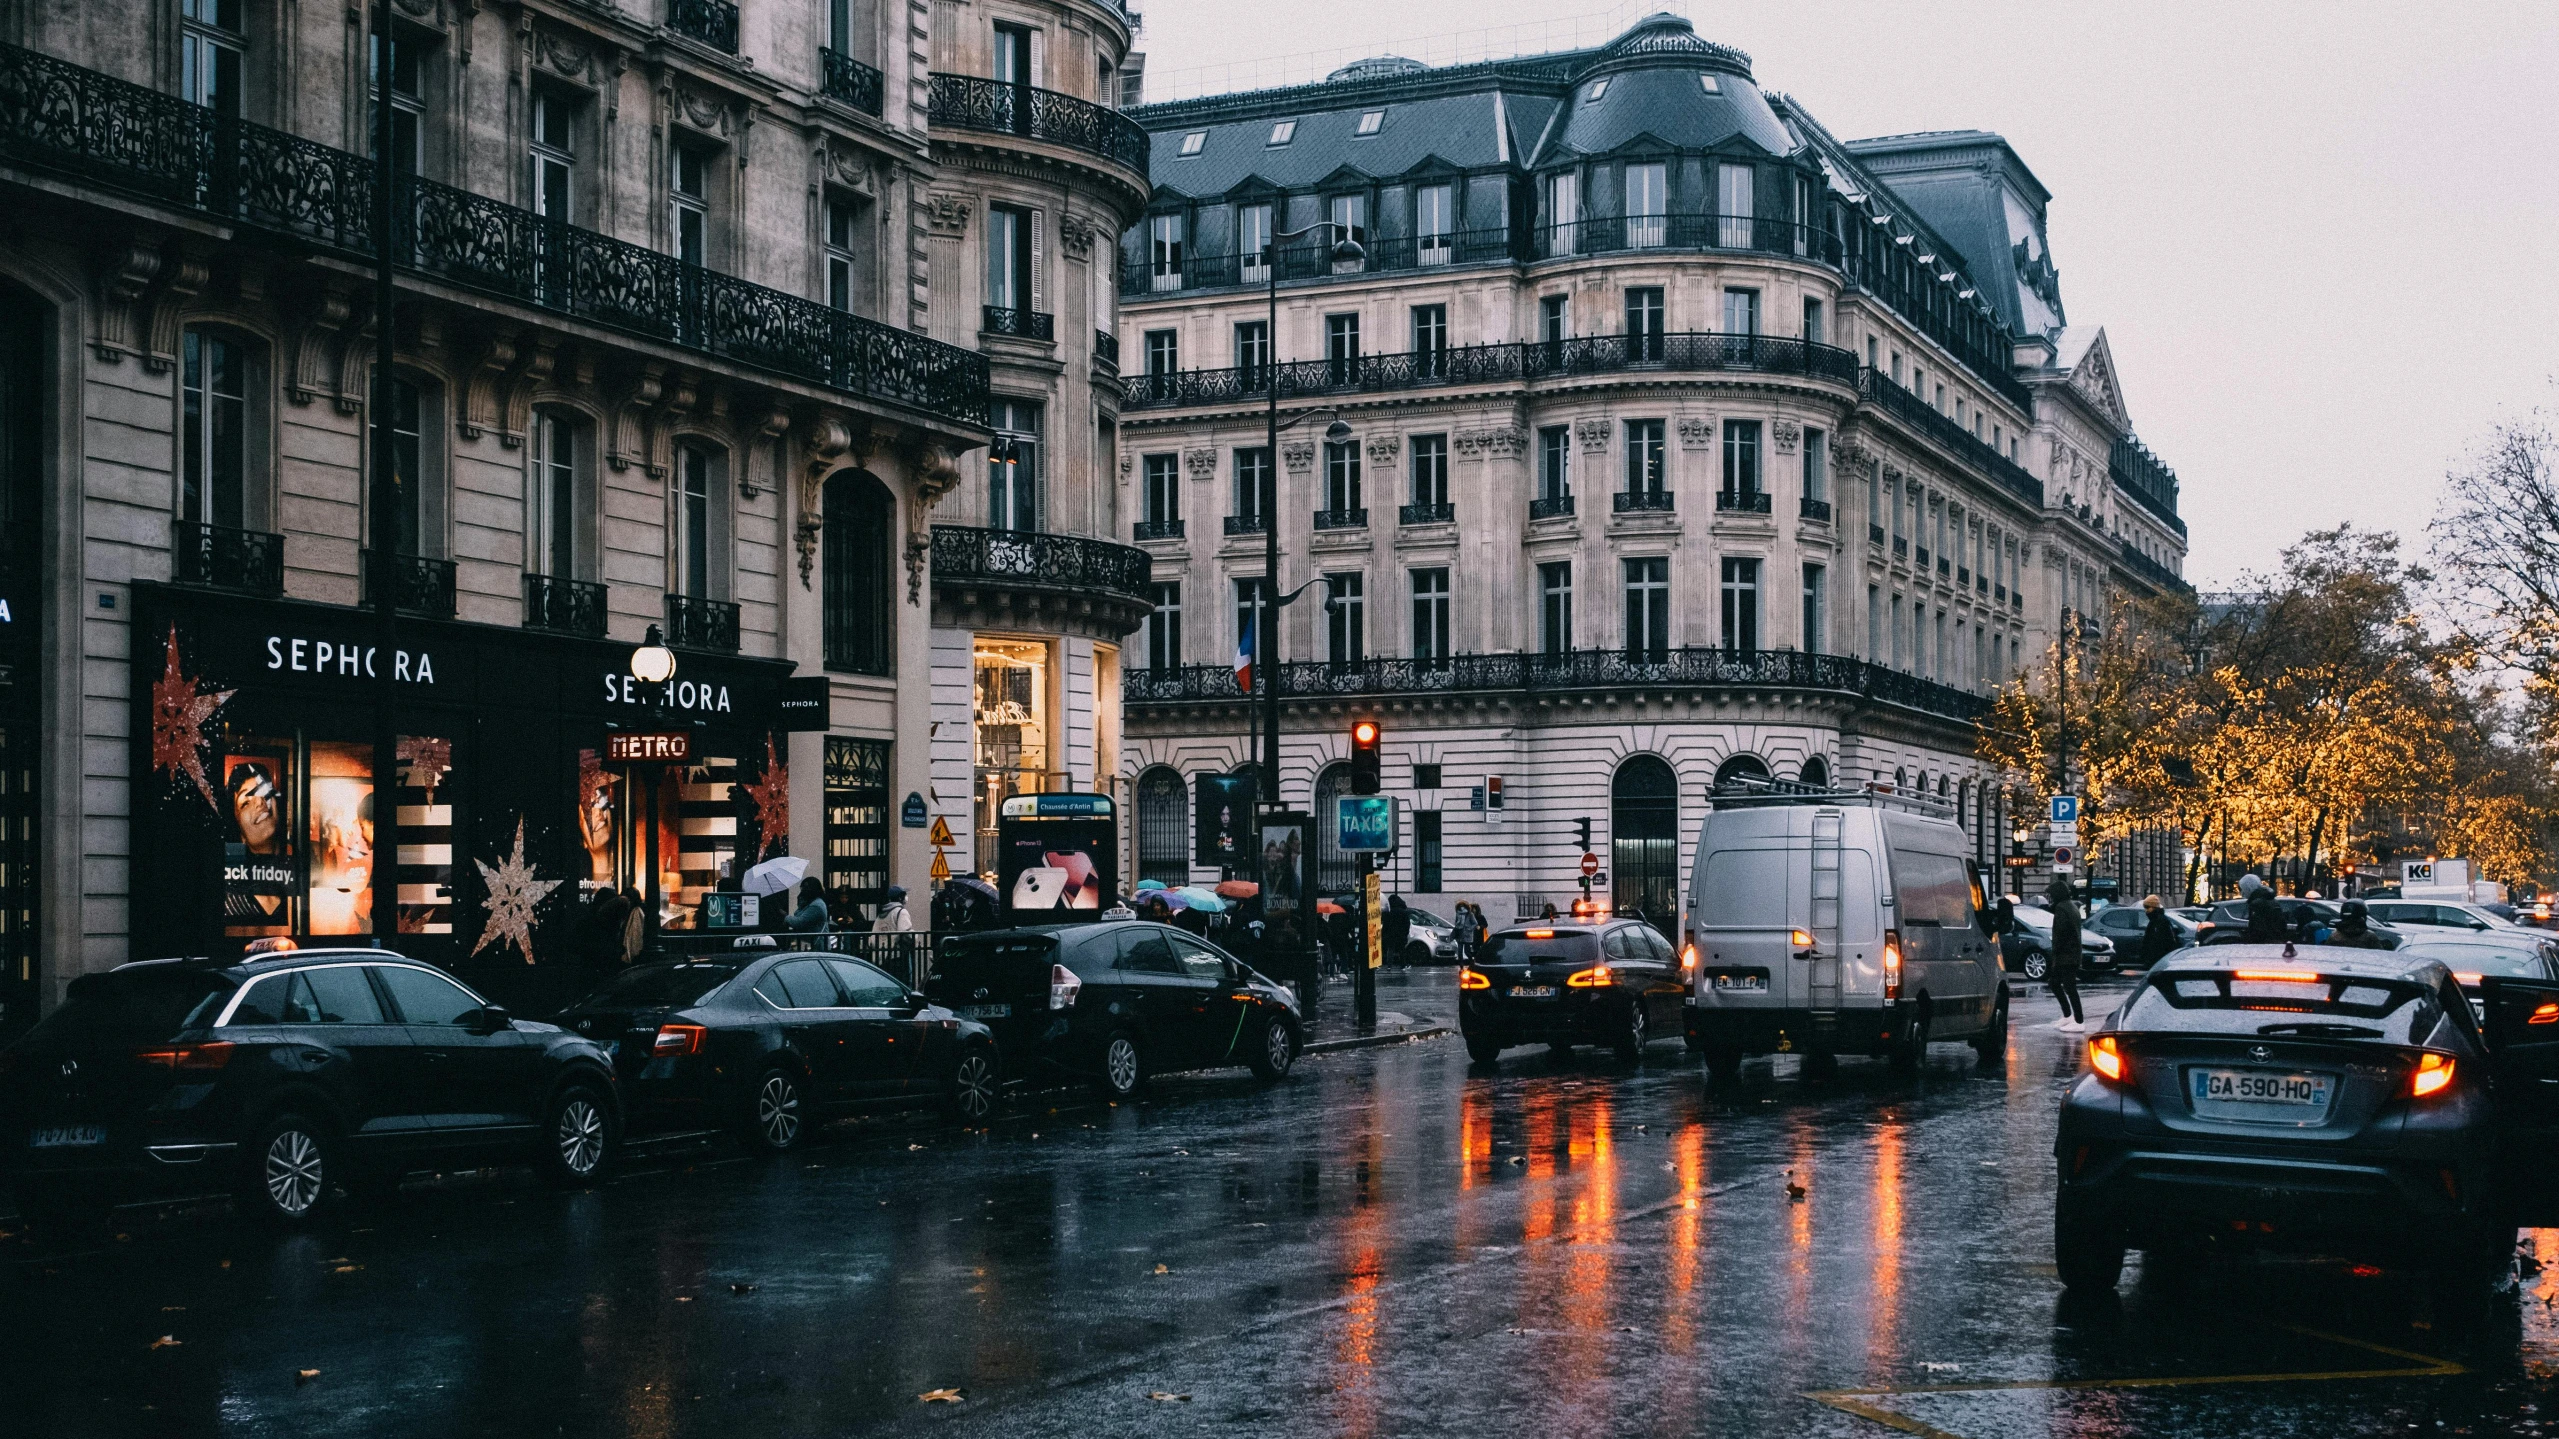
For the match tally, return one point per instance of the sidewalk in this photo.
(1411, 1004)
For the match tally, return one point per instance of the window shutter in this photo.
(1039, 60)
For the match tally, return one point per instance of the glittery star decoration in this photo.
(424, 762)
(180, 709)
(513, 895)
(772, 795)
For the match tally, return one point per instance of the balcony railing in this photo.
(697, 623)
(101, 131)
(971, 102)
(1438, 514)
(1021, 324)
(1627, 502)
(1243, 524)
(1743, 502)
(1512, 363)
(1312, 258)
(966, 554)
(841, 77)
(1158, 530)
(1911, 410)
(414, 584)
(2153, 571)
(1341, 519)
(222, 558)
(1813, 509)
(713, 22)
(1567, 671)
(2145, 477)
(564, 605)
(1550, 507)
(1106, 348)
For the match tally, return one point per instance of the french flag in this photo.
(1244, 657)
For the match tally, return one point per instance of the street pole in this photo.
(386, 520)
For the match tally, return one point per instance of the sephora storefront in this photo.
(271, 791)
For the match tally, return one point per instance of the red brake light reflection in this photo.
(2108, 1060)
(2548, 1013)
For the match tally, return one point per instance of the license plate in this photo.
(1532, 991)
(67, 1136)
(1755, 982)
(2239, 1093)
(985, 1011)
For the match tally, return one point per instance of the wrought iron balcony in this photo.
(2145, 477)
(101, 131)
(713, 22)
(1438, 514)
(841, 77)
(1627, 502)
(1243, 524)
(1106, 348)
(1342, 519)
(1312, 257)
(1158, 530)
(414, 584)
(1021, 324)
(1517, 362)
(971, 102)
(221, 558)
(1911, 410)
(564, 606)
(696, 623)
(2153, 571)
(1027, 559)
(1550, 507)
(1813, 509)
(1571, 670)
(1743, 502)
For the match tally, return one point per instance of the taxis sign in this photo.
(1364, 823)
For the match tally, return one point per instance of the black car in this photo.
(1614, 982)
(2307, 919)
(287, 1078)
(2327, 1099)
(1119, 1001)
(764, 1044)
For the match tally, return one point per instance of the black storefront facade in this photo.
(269, 794)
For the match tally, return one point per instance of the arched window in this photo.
(1901, 778)
(860, 518)
(1335, 872)
(1740, 766)
(1816, 773)
(1643, 839)
(1163, 827)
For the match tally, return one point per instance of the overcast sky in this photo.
(2323, 239)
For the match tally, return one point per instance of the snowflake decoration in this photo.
(772, 795)
(180, 709)
(514, 894)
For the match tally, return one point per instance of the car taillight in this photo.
(1892, 964)
(1063, 985)
(1595, 977)
(2106, 1059)
(2547, 1013)
(675, 1039)
(189, 1058)
(1472, 979)
(2434, 1073)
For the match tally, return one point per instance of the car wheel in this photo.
(975, 1086)
(1123, 1066)
(1631, 1033)
(578, 1137)
(1277, 1051)
(1417, 955)
(1695, 1042)
(774, 1120)
(2087, 1253)
(288, 1170)
(2037, 964)
(1991, 1045)
(1910, 1048)
(1483, 1049)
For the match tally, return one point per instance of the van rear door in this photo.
(1748, 901)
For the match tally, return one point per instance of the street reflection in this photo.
(1687, 1241)
(1885, 1204)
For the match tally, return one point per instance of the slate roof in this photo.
(1459, 129)
(1954, 178)
(1669, 105)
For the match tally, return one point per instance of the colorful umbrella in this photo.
(1237, 889)
(1202, 898)
(1147, 885)
(1326, 906)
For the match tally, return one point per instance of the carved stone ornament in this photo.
(1298, 455)
(850, 168)
(1787, 433)
(1593, 435)
(1076, 233)
(564, 55)
(1128, 463)
(701, 111)
(1500, 440)
(937, 473)
(1851, 457)
(824, 441)
(1893, 473)
(1201, 463)
(1382, 448)
(947, 211)
(1696, 432)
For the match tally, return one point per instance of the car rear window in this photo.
(1545, 946)
(2278, 1001)
(2480, 959)
(668, 984)
(146, 1006)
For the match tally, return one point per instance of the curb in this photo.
(1371, 1041)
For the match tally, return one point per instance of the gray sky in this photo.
(2320, 237)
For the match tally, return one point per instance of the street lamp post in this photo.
(652, 664)
(385, 537)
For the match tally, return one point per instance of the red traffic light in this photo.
(1364, 733)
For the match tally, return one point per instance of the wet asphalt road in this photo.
(1390, 1243)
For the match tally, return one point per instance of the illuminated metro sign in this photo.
(649, 747)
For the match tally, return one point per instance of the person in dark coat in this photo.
(2354, 929)
(2063, 973)
(1398, 929)
(2159, 937)
(2265, 917)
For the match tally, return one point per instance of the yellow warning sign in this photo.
(941, 867)
(941, 834)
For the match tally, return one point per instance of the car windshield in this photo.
(2481, 959)
(1425, 917)
(1545, 946)
(2291, 999)
(140, 1006)
(668, 984)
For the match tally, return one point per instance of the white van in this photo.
(1830, 922)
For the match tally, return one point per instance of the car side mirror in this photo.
(915, 999)
(487, 1019)
(2478, 924)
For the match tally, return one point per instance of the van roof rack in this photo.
(1751, 790)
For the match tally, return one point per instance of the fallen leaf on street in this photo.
(346, 1269)
(681, 1298)
(305, 1376)
(939, 1396)
(173, 1309)
(166, 1342)
(1157, 1395)
(741, 1289)
(1163, 1269)
(910, 1148)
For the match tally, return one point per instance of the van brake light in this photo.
(1892, 964)
(1063, 985)
(1801, 938)
(1688, 957)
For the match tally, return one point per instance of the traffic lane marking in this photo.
(1853, 1401)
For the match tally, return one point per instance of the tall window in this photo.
(689, 203)
(1163, 490)
(1008, 258)
(1163, 353)
(839, 253)
(857, 616)
(1253, 352)
(1430, 615)
(1341, 348)
(856, 831)
(1644, 323)
(1563, 213)
(1644, 457)
(1741, 604)
(211, 46)
(1164, 251)
(1253, 242)
(1647, 205)
(1814, 329)
(1554, 320)
(1012, 54)
(1648, 608)
(408, 453)
(1555, 607)
(1816, 466)
(1816, 611)
(554, 157)
(1164, 629)
(1342, 477)
(1734, 205)
(1741, 312)
(1427, 851)
(693, 570)
(1249, 613)
(1741, 457)
(214, 385)
(1350, 222)
(1900, 650)
(1554, 461)
(1252, 473)
(1434, 223)
(839, 26)
(408, 102)
(1430, 470)
(1346, 618)
(1013, 467)
(554, 507)
(1875, 642)
(1430, 339)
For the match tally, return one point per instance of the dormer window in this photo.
(1193, 143)
(1370, 122)
(1597, 89)
(1709, 82)
(1283, 132)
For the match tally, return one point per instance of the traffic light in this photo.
(1366, 776)
(1581, 834)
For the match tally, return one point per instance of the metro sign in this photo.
(649, 746)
